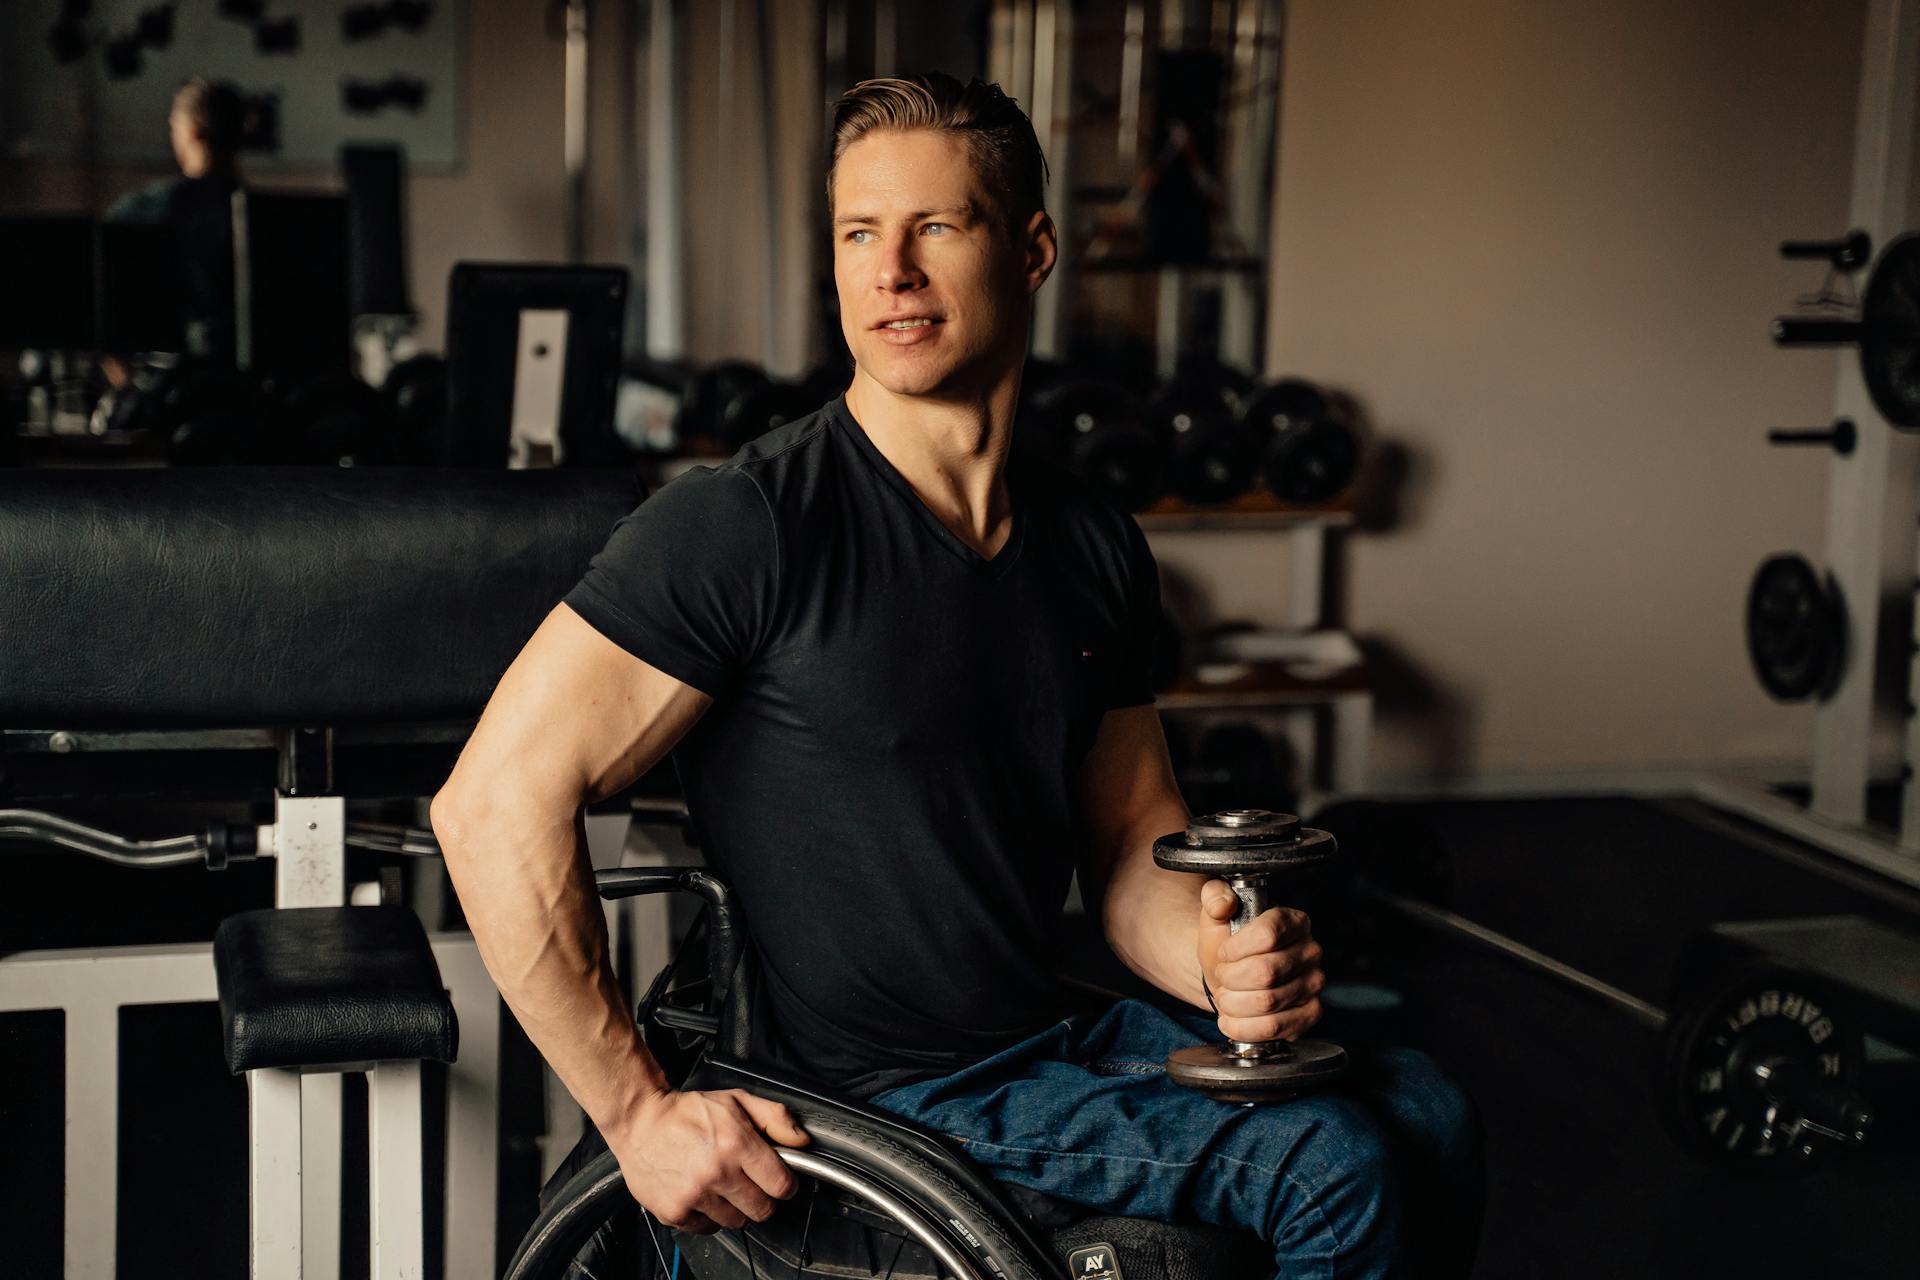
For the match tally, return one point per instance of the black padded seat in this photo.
(326, 987)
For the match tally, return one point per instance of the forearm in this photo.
(526, 887)
(1151, 918)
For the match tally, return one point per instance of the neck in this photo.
(952, 451)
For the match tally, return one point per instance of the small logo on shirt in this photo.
(1094, 1262)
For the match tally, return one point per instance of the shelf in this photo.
(1256, 509)
(1265, 684)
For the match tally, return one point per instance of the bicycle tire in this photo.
(973, 1234)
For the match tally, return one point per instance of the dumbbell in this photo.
(415, 393)
(1100, 431)
(1211, 456)
(1247, 848)
(333, 420)
(1310, 456)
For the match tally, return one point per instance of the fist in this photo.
(1266, 979)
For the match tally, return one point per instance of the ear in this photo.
(1041, 247)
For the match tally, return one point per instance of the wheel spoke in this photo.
(895, 1260)
(646, 1219)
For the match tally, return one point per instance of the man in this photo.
(204, 127)
(906, 674)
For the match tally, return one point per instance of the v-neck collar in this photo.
(863, 444)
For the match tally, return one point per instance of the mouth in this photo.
(908, 331)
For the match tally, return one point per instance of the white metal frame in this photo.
(91, 985)
(1856, 503)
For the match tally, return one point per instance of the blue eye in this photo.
(854, 236)
(931, 226)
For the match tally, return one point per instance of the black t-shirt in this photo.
(887, 776)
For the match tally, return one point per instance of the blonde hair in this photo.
(998, 135)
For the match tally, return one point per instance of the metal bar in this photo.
(396, 1204)
(666, 209)
(63, 833)
(574, 130)
(1445, 921)
(274, 1175)
(1857, 482)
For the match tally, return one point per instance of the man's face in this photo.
(933, 294)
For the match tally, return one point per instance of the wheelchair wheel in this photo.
(887, 1216)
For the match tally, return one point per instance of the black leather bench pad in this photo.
(322, 986)
(258, 596)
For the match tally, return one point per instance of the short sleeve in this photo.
(1140, 623)
(688, 581)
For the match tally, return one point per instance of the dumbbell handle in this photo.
(1254, 901)
(1802, 331)
(1841, 436)
(1846, 254)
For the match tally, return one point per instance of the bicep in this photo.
(575, 718)
(1127, 790)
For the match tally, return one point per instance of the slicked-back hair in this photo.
(216, 111)
(998, 135)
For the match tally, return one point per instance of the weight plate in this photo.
(1098, 430)
(1287, 405)
(1293, 1068)
(1890, 346)
(1796, 629)
(1177, 853)
(1710, 1092)
(1313, 463)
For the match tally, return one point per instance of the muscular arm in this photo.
(575, 719)
(1128, 799)
(1166, 925)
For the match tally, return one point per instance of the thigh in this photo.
(1086, 1113)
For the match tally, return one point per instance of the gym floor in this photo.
(1584, 1180)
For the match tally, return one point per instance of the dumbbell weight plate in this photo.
(1890, 352)
(1281, 854)
(1796, 629)
(760, 408)
(1289, 1069)
(703, 406)
(1709, 1097)
(1097, 430)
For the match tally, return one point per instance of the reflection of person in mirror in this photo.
(205, 125)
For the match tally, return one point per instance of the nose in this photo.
(899, 271)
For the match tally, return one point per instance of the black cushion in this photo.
(260, 596)
(325, 986)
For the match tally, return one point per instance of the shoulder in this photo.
(150, 203)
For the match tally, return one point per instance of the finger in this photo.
(1265, 932)
(1218, 901)
(722, 1211)
(766, 1173)
(1269, 968)
(772, 1119)
(1290, 1024)
(1254, 1004)
(693, 1223)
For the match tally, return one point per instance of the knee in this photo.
(1340, 1192)
(1436, 1115)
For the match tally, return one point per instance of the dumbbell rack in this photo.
(1296, 669)
(1835, 818)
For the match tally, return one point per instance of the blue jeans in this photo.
(1380, 1175)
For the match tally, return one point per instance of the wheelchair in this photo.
(879, 1197)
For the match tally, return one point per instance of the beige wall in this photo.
(1537, 239)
